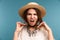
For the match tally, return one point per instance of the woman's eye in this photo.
(35, 14)
(28, 14)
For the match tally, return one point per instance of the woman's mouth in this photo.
(31, 20)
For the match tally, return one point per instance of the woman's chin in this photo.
(32, 25)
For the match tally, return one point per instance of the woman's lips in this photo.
(31, 20)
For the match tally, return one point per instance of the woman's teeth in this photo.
(31, 20)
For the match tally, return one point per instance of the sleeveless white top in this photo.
(39, 35)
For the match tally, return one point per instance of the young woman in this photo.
(35, 28)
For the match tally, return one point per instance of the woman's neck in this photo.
(31, 29)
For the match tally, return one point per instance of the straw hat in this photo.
(32, 5)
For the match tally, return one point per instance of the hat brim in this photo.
(42, 9)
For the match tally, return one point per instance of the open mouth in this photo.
(31, 20)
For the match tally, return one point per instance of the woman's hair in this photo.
(38, 14)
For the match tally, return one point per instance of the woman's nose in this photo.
(32, 16)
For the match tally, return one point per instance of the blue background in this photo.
(9, 16)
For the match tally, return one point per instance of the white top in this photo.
(39, 35)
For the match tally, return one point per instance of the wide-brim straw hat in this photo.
(32, 5)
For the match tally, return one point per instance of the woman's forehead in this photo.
(32, 11)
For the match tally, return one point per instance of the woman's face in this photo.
(32, 17)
